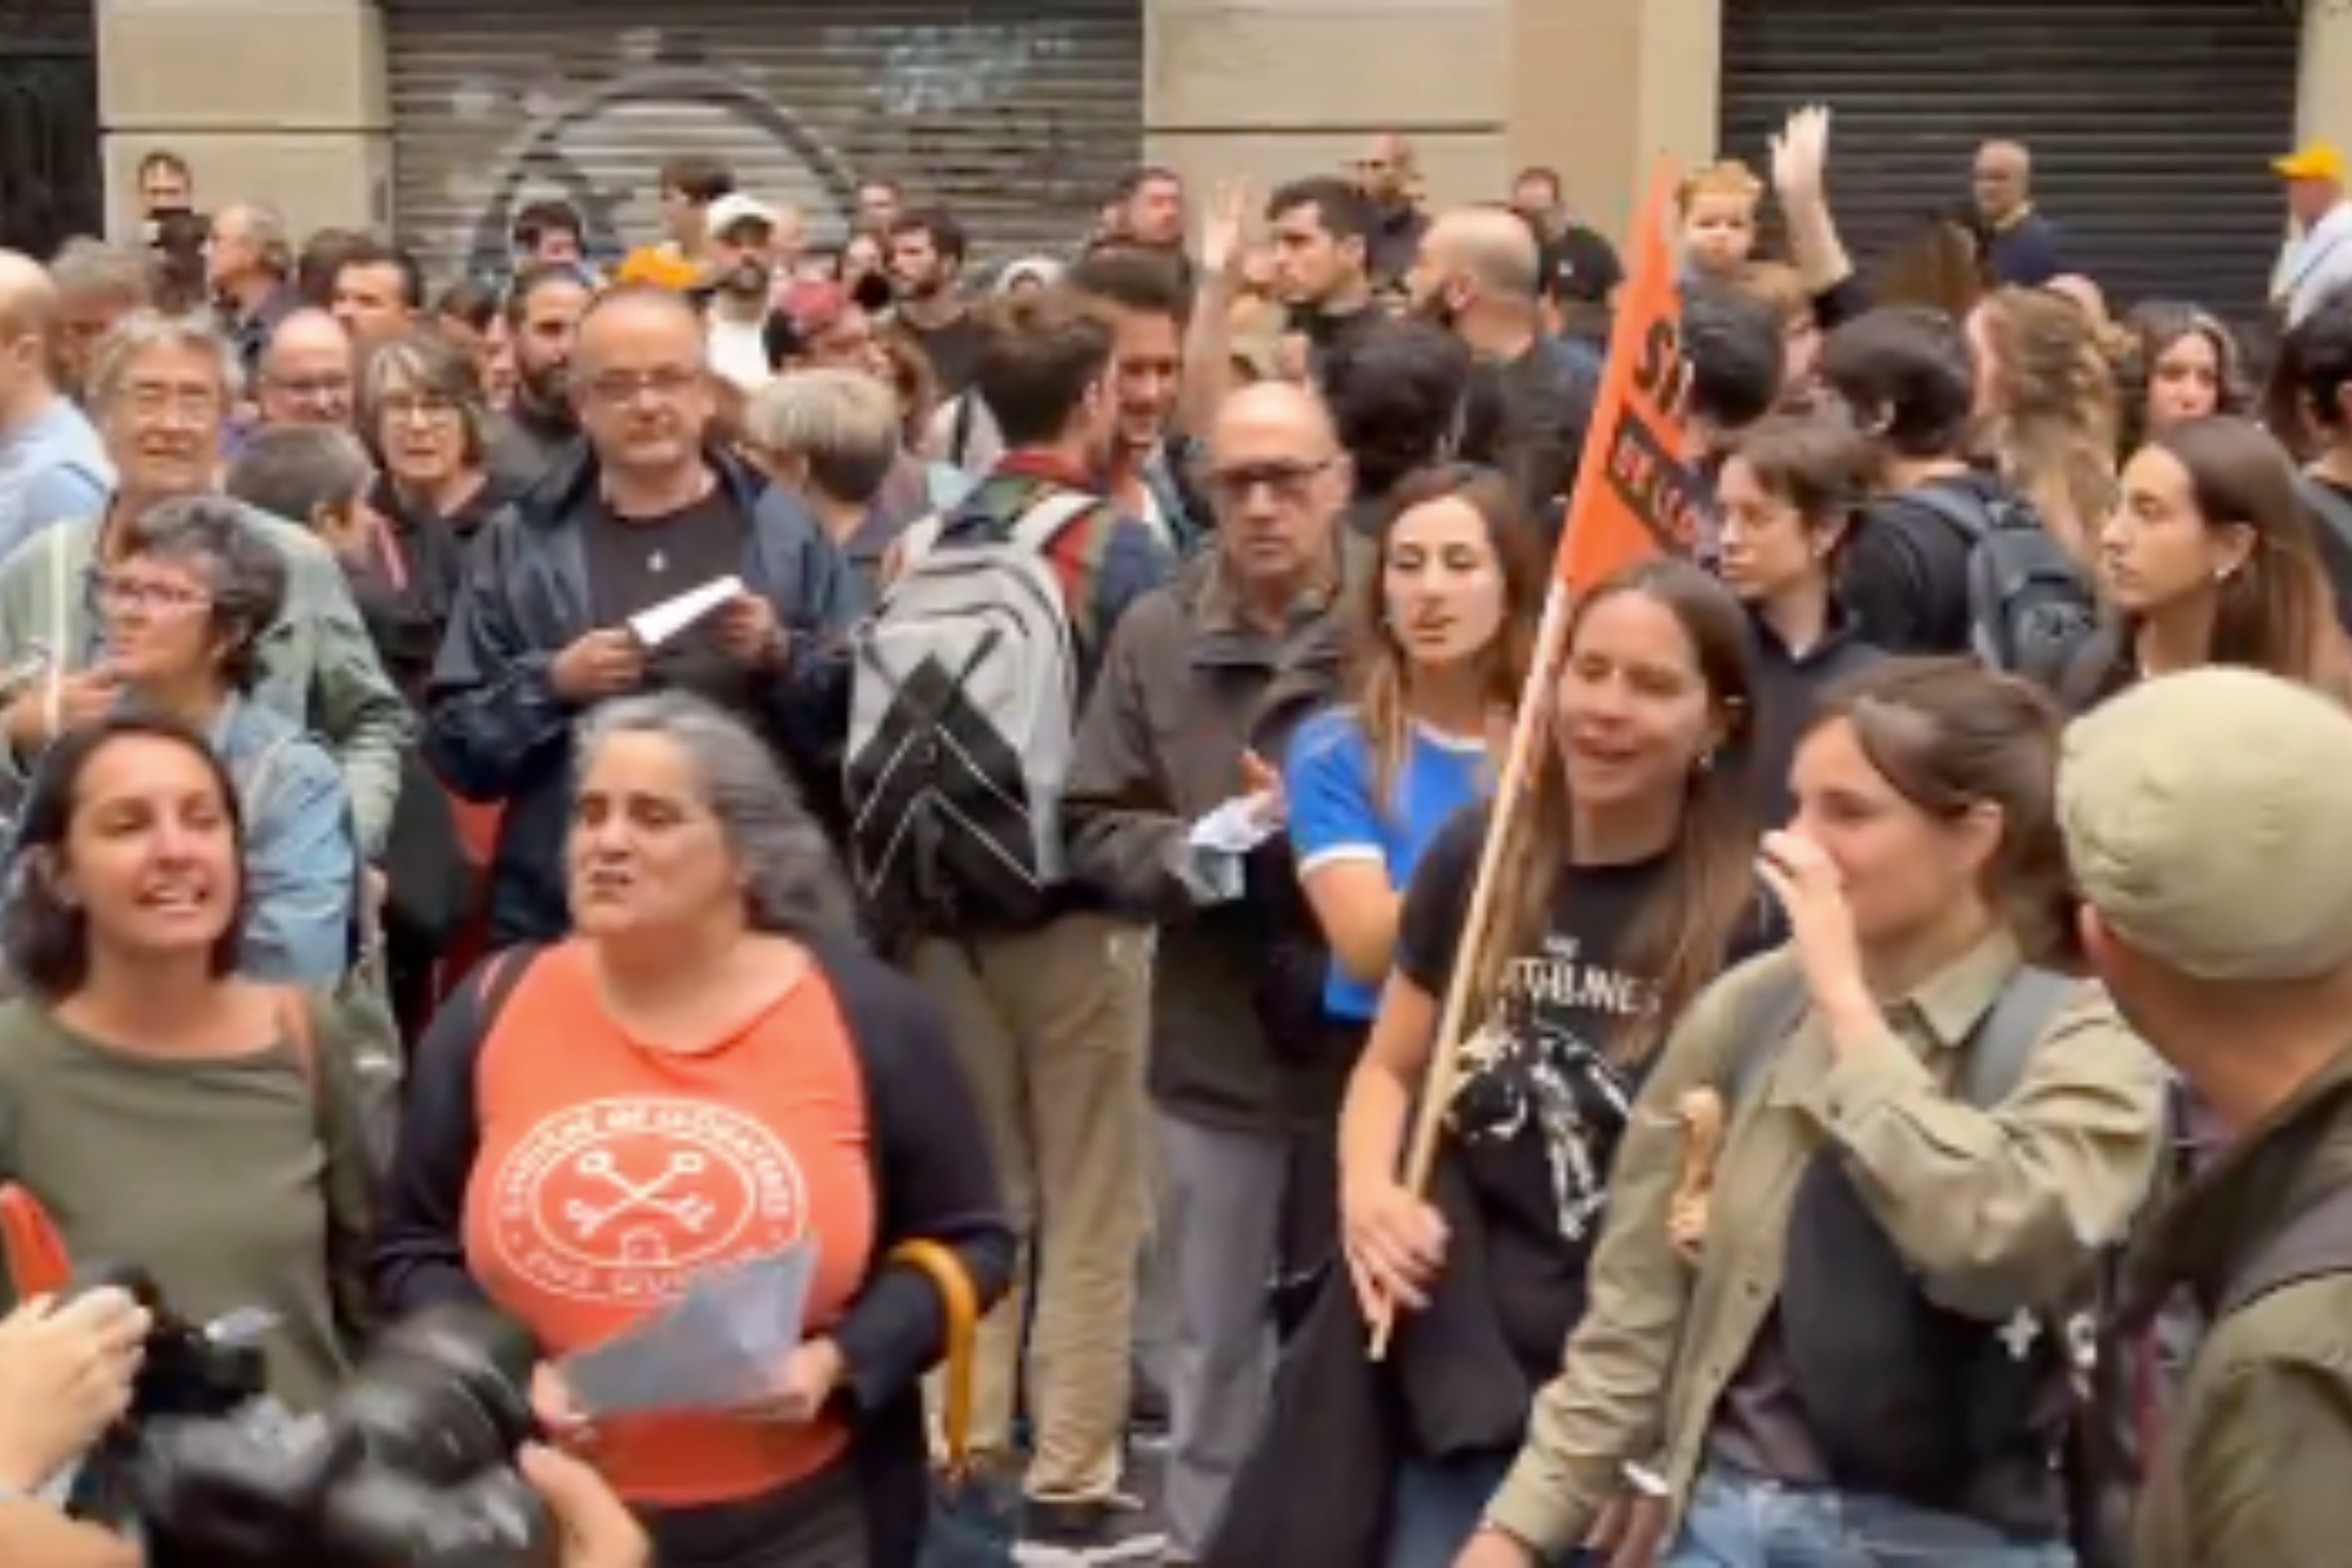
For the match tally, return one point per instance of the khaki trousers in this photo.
(1052, 1027)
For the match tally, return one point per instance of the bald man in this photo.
(1480, 276)
(1236, 1083)
(53, 467)
(1389, 175)
(2020, 245)
(307, 371)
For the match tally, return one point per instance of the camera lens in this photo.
(445, 1397)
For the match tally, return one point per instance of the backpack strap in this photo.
(302, 1041)
(2001, 1047)
(1966, 516)
(2316, 1242)
(1038, 528)
(959, 442)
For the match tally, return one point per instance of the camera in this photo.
(410, 1467)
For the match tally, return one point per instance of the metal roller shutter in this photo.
(1020, 116)
(2151, 124)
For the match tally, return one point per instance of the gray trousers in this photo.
(1221, 1220)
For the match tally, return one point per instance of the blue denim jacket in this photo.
(301, 852)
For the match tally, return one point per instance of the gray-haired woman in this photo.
(831, 438)
(710, 1072)
(181, 612)
(423, 412)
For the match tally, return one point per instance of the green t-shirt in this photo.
(214, 1175)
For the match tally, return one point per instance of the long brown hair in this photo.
(1685, 935)
(1382, 674)
(2151, 330)
(1950, 735)
(2277, 612)
(2054, 419)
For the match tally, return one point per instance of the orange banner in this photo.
(1633, 496)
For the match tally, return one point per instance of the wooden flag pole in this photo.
(1437, 1089)
(1628, 438)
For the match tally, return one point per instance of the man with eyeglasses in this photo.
(307, 371)
(1206, 681)
(552, 619)
(161, 394)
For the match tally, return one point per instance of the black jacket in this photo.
(495, 729)
(933, 1181)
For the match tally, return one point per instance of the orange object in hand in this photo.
(38, 1263)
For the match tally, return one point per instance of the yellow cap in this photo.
(2312, 160)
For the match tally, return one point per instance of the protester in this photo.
(181, 612)
(1046, 983)
(1627, 891)
(1205, 683)
(2232, 953)
(52, 466)
(543, 310)
(2182, 364)
(306, 371)
(715, 1019)
(1787, 497)
(161, 397)
(135, 1032)
(640, 513)
(1442, 626)
(2045, 404)
(2211, 560)
(830, 438)
(1825, 1324)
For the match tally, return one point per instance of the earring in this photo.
(1706, 761)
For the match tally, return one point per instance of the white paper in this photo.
(658, 623)
(1238, 827)
(723, 1343)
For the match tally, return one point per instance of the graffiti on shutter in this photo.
(1006, 123)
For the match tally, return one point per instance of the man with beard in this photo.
(739, 272)
(543, 312)
(1480, 274)
(927, 250)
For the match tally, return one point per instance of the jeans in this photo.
(1738, 1520)
(1437, 1504)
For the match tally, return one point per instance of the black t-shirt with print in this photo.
(636, 565)
(1541, 1105)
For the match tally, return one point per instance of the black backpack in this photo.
(2031, 607)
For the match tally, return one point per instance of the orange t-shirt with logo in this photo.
(607, 1174)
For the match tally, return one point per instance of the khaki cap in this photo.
(2209, 821)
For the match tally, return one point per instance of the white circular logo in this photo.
(620, 1200)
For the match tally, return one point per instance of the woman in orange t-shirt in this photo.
(710, 1070)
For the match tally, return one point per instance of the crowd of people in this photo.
(530, 793)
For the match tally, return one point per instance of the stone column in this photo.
(282, 102)
(2323, 104)
(1598, 88)
(1275, 90)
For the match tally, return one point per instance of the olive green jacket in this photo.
(2256, 1467)
(1998, 1209)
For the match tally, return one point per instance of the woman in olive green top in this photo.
(1849, 1346)
(162, 1110)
